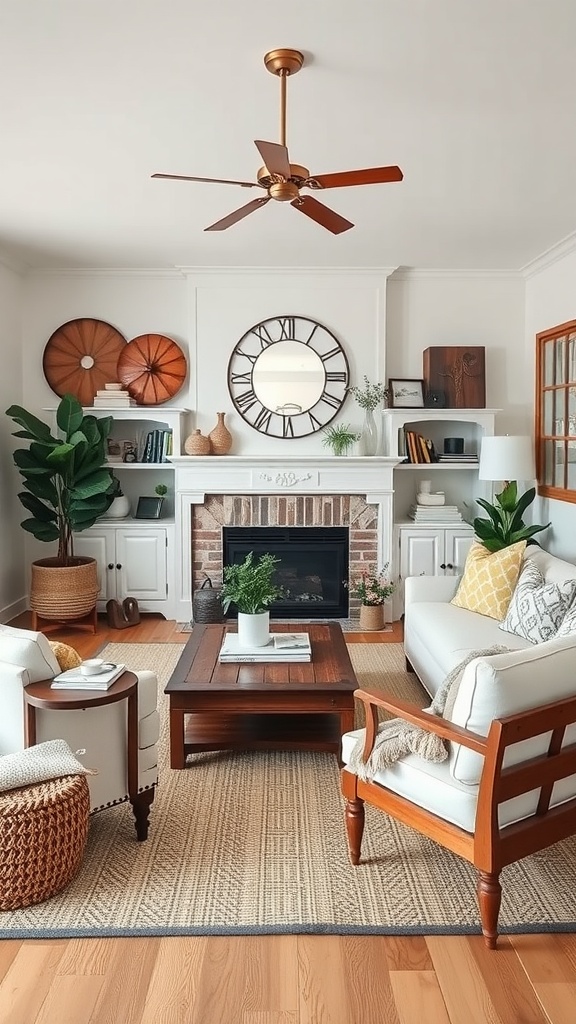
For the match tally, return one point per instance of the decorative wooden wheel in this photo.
(81, 356)
(152, 368)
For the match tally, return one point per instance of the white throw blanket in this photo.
(396, 737)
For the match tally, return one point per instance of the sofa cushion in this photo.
(489, 579)
(537, 608)
(67, 656)
(568, 625)
(505, 684)
(30, 650)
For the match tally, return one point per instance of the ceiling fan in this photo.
(282, 180)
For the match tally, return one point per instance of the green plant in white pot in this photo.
(251, 587)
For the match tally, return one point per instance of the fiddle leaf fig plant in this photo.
(67, 484)
(250, 584)
(505, 525)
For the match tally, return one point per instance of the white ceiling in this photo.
(476, 101)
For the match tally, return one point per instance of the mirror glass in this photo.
(288, 378)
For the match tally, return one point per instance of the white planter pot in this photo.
(253, 630)
(119, 509)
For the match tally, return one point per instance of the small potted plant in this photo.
(369, 397)
(340, 438)
(373, 588)
(506, 524)
(250, 586)
(120, 507)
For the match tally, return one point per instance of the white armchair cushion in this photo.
(505, 684)
(30, 649)
(537, 607)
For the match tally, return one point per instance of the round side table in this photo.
(41, 695)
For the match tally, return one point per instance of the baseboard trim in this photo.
(10, 611)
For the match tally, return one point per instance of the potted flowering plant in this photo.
(369, 397)
(373, 587)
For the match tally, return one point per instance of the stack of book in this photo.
(435, 514)
(157, 446)
(462, 460)
(113, 396)
(281, 647)
(73, 679)
(418, 447)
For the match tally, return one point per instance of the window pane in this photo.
(559, 361)
(548, 363)
(559, 458)
(548, 463)
(572, 357)
(559, 405)
(548, 417)
(572, 412)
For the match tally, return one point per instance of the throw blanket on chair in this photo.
(396, 737)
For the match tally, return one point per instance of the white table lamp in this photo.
(509, 457)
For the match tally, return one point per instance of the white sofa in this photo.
(27, 657)
(438, 635)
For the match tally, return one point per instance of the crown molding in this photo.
(149, 272)
(415, 273)
(383, 272)
(565, 247)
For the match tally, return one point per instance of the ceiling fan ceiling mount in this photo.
(282, 180)
(283, 61)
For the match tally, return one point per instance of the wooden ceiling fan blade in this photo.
(218, 181)
(368, 176)
(275, 157)
(322, 214)
(239, 214)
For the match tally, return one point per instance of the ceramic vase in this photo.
(119, 509)
(369, 439)
(371, 616)
(220, 437)
(197, 444)
(253, 630)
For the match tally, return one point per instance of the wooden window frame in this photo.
(555, 434)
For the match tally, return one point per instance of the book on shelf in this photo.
(299, 651)
(419, 449)
(73, 679)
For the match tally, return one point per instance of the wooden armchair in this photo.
(494, 837)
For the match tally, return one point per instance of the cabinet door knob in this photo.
(110, 565)
(443, 565)
(118, 565)
(449, 566)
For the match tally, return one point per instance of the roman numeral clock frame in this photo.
(288, 376)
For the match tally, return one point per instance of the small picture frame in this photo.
(149, 508)
(406, 393)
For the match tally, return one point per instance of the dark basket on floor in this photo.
(206, 603)
(43, 832)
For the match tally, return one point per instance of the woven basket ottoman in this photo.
(43, 832)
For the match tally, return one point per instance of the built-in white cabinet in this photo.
(133, 561)
(432, 549)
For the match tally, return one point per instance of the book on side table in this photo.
(280, 647)
(73, 679)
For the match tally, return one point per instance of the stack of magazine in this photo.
(281, 647)
(73, 679)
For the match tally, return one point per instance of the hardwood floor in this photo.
(282, 979)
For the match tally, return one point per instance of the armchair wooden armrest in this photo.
(374, 699)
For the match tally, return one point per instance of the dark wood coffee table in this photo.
(261, 706)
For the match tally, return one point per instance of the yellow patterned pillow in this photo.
(65, 655)
(489, 579)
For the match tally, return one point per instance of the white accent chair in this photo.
(508, 787)
(100, 732)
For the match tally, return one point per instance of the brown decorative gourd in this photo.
(220, 437)
(197, 444)
(152, 368)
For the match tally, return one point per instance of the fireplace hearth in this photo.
(313, 565)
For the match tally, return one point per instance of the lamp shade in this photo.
(507, 458)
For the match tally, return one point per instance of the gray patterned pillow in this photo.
(537, 608)
(568, 624)
(48, 760)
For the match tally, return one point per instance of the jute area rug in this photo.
(245, 843)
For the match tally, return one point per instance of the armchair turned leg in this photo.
(354, 817)
(489, 896)
(141, 806)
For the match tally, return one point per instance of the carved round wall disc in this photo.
(81, 356)
(152, 368)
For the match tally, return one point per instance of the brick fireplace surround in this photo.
(212, 492)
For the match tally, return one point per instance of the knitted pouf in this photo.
(43, 832)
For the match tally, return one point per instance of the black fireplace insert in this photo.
(313, 566)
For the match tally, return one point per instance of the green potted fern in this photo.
(251, 587)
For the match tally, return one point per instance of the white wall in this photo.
(550, 300)
(12, 561)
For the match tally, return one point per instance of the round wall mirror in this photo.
(288, 376)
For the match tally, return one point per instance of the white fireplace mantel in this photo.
(197, 476)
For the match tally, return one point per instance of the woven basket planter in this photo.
(43, 831)
(65, 592)
(371, 616)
